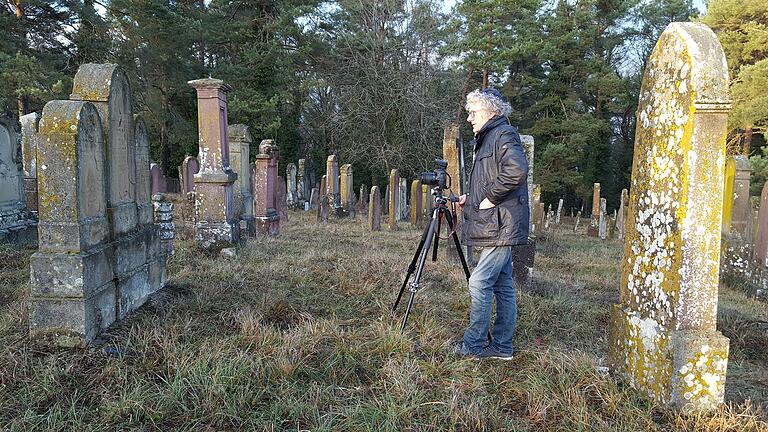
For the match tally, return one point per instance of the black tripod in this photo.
(431, 234)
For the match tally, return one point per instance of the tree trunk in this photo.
(19, 9)
(485, 78)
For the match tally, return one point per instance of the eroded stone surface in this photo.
(594, 222)
(17, 224)
(374, 210)
(394, 197)
(668, 310)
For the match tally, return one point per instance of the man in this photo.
(495, 219)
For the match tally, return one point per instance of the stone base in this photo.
(522, 264)
(269, 225)
(684, 369)
(24, 234)
(215, 236)
(248, 225)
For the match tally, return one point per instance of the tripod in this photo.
(430, 238)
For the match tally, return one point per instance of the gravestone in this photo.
(663, 336)
(240, 140)
(346, 187)
(323, 209)
(302, 194)
(362, 203)
(761, 240)
(394, 197)
(578, 219)
(736, 249)
(17, 224)
(291, 197)
(385, 207)
(332, 181)
(144, 204)
(374, 210)
(594, 221)
(528, 146)
(536, 217)
(313, 197)
(402, 203)
(29, 131)
(266, 210)
(559, 211)
(603, 220)
(189, 168)
(282, 200)
(139, 264)
(217, 223)
(163, 217)
(416, 202)
(427, 202)
(621, 217)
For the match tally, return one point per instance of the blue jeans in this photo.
(492, 277)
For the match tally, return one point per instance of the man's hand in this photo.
(486, 204)
(462, 200)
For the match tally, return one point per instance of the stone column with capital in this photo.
(217, 225)
(264, 187)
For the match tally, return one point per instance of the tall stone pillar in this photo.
(240, 152)
(346, 188)
(663, 332)
(594, 222)
(302, 194)
(621, 218)
(292, 199)
(217, 225)
(603, 220)
(266, 211)
(394, 195)
(332, 181)
(416, 217)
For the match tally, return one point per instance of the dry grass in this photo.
(296, 334)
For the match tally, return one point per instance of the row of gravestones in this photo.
(601, 224)
(100, 253)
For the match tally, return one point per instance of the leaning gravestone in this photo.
(17, 224)
(663, 333)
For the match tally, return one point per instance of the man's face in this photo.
(478, 115)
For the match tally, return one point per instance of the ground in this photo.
(296, 334)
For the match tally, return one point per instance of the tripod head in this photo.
(441, 199)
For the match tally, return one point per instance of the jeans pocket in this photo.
(485, 224)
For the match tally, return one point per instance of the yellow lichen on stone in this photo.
(730, 177)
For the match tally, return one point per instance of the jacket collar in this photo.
(492, 123)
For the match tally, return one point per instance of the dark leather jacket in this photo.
(499, 173)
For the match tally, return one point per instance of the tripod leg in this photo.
(437, 234)
(449, 219)
(420, 267)
(412, 266)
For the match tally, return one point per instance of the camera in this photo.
(439, 177)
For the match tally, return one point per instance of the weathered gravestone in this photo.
(17, 224)
(240, 140)
(29, 131)
(362, 203)
(96, 261)
(453, 153)
(621, 218)
(535, 216)
(320, 210)
(594, 221)
(266, 208)
(393, 192)
(282, 200)
(189, 168)
(291, 188)
(402, 203)
(603, 220)
(663, 333)
(144, 204)
(347, 189)
(736, 249)
(313, 197)
(559, 211)
(416, 202)
(139, 264)
(302, 194)
(374, 210)
(217, 223)
(332, 181)
(163, 216)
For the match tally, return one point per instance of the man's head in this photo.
(483, 105)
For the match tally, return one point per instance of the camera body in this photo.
(439, 177)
